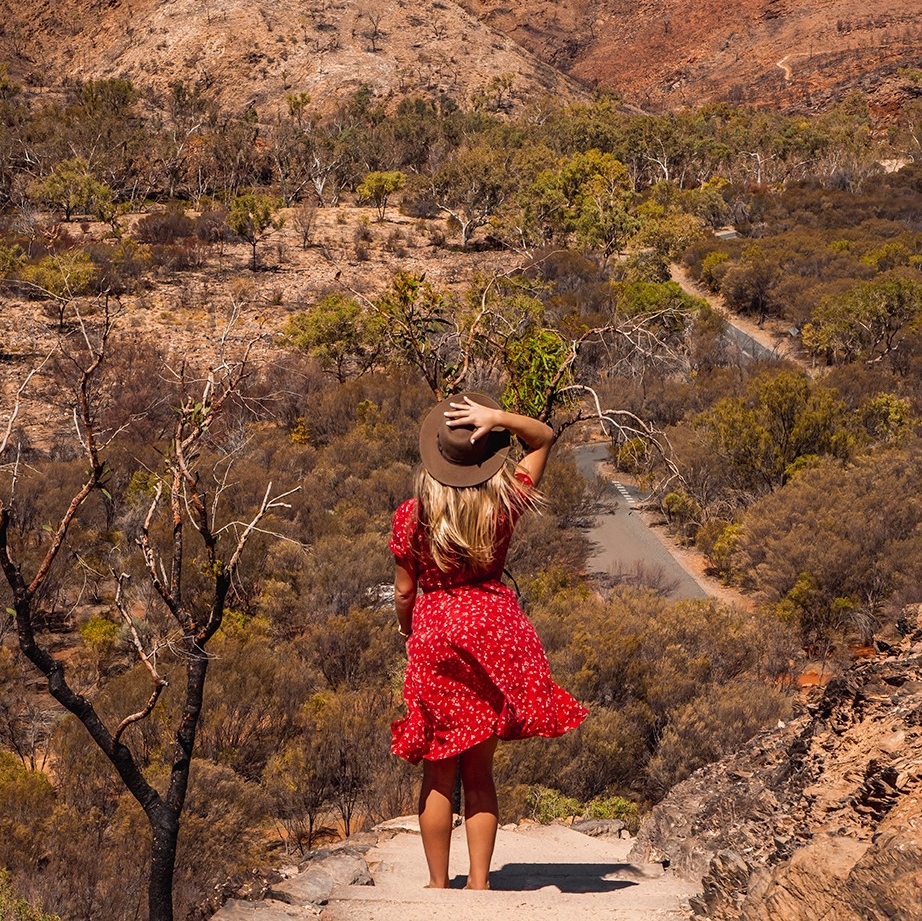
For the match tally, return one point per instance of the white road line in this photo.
(623, 490)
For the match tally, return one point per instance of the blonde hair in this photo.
(460, 522)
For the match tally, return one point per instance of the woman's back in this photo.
(409, 541)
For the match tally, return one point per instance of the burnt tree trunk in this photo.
(198, 620)
(165, 827)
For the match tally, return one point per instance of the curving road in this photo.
(623, 544)
(749, 348)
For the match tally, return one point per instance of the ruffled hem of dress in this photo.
(567, 712)
(414, 738)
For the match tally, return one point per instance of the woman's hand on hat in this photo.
(483, 419)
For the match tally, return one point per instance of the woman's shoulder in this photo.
(406, 511)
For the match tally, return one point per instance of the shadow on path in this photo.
(567, 877)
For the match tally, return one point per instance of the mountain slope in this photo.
(664, 54)
(658, 54)
(253, 52)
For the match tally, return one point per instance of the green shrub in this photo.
(717, 540)
(614, 807)
(549, 804)
(713, 268)
(14, 909)
(99, 633)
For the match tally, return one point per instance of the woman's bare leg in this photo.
(481, 811)
(435, 817)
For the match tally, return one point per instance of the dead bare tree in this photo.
(374, 32)
(181, 494)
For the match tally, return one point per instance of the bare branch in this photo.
(629, 425)
(158, 580)
(17, 403)
(58, 539)
(140, 715)
(276, 534)
(267, 504)
(147, 658)
(15, 476)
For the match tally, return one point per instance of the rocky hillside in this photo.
(254, 53)
(662, 55)
(657, 55)
(819, 820)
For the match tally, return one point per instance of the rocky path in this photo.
(539, 872)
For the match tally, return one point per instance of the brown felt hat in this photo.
(447, 452)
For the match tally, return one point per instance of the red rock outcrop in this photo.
(817, 820)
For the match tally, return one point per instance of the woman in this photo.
(476, 670)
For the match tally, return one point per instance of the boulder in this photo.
(315, 883)
(599, 828)
(241, 910)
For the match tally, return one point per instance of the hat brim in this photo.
(448, 473)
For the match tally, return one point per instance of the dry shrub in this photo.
(341, 569)
(211, 226)
(712, 725)
(164, 226)
(419, 204)
(871, 529)
(186, 254)
(303, 217)
(353, 650)
(396, 243)
(637, 660)
(362, 233)
(26, 799)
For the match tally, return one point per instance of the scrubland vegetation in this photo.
(798, 481)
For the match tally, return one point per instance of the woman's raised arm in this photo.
(538, 436)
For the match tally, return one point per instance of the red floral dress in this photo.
(476, 666)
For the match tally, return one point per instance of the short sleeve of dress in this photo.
(526, 488)
(524, 479)
(400, 543)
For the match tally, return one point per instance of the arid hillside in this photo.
(662, 55)
(253, 54)
(657, 55)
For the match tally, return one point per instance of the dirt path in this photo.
(540, 872)
(788, 70)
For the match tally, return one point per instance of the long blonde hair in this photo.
(460, 522)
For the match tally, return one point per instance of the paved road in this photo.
(748, 347)
(624, 545)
